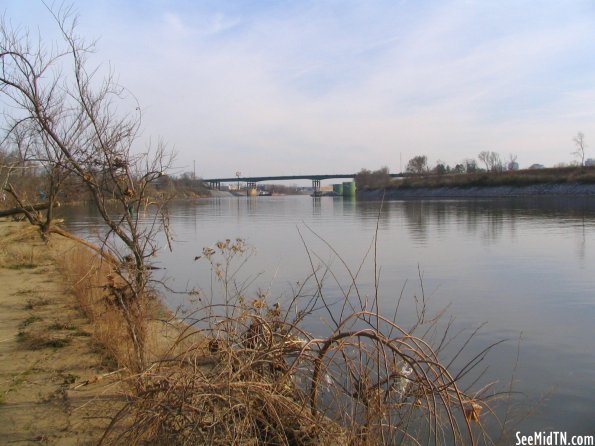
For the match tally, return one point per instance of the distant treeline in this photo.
(31, 179)
(380, 179)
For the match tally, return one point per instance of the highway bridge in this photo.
(215, 183)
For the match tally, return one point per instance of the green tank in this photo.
(349, 189)
(338, 189)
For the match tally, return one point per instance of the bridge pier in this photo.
(214, 184)
(316, 186)
(251, 188)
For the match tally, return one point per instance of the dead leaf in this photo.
(472, 411)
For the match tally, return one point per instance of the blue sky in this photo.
(297, 87)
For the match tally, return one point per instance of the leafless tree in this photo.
(495, 162)
(75, 121)
(7, 165)
(37, 170)
(484, 157)
(579, 142)
(492, 160)
(418, 164)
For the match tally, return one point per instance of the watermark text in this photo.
(553, 438)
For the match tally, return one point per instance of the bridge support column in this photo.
(316, 186)
(251, 188)
(214, 184)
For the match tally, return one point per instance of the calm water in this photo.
(523, 267)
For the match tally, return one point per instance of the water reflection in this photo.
(316, 205)
(488, 219)
(582, 242)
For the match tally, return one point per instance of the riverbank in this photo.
(547, 189)
(56, 383)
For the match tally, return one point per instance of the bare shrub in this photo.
(245, 371)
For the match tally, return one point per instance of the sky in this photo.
(304, 87)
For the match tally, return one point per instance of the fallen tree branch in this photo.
(26, 209)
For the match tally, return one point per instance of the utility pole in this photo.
(194, 170)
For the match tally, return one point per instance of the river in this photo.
(522, 267)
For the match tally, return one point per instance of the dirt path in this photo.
(46, 351)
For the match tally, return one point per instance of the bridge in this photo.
(215, 183)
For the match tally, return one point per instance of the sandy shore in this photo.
(46, 351)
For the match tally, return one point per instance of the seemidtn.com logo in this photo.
(554, 439)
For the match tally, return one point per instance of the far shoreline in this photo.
(535, 190)
(403, 193)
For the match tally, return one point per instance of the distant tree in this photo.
(418, 164)
(579, 142)
(377, 179)
(470, 165)
(281, 189)
(492, 160)
(459, 168)
(495, 162)
(186, 179)
(484, 157)
(441, 168)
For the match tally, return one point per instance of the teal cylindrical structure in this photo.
(338, 189)
(349, 189)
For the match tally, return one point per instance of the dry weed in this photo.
(91, 280)
(246, 372)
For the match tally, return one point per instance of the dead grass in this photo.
(21, 266)
(33, 338)
(33, 334)
(57, 326)
(581, 175)
(18, 256)
(89, 277)
(93, 282)
(34, 302)
(30, 320)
